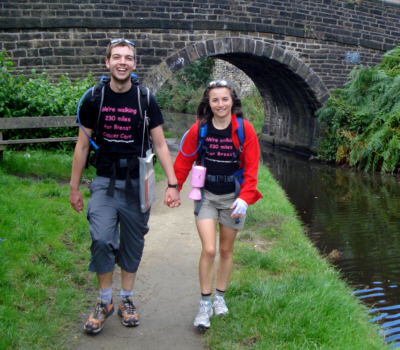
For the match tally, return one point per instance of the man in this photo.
(117, 225)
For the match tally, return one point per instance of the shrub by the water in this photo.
(361, 121)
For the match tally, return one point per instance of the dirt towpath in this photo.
(166, 291)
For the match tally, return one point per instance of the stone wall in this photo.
(69, 36)
(242, 83)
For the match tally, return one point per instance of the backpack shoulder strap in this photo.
(143, 101)
(97, 89)
(240, 132)
(202, 133)
(143, 94)
(97, 99)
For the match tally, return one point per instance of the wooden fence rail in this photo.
(35, 123)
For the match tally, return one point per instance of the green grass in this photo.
(43, 272)
(282, 294)
(41, 164)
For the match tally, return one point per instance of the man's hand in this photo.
(172, 197)
(76, 200)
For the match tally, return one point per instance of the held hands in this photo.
(172, 197)
(239, 207)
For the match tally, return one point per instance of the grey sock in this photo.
(106, 295)
(206, 297)
(220, 293)
(126, 293)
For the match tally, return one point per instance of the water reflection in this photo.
(353, 219)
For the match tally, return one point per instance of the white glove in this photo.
(239, 207)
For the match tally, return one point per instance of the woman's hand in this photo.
(239, 207)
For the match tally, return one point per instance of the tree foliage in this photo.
(184, 93)
(361, 121)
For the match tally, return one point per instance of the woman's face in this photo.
(221, 102)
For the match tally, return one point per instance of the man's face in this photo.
(121, 63)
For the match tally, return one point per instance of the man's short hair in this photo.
(120, 42)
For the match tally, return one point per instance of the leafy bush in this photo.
(361, 122)
(37, 95)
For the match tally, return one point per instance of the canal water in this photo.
(354, 220)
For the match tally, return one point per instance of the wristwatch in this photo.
(173, 186)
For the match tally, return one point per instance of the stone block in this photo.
(238, 45)
(249, 45)
(201, 49)
(277, 53)
(210, 47)
(30, 61)
(192, 53)
(258, 51)
(223, 45)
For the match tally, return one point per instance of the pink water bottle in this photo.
(197, 181)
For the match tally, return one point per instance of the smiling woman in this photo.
(231, 162)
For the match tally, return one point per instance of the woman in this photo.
(223, 201)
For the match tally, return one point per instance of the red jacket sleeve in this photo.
(187, 155)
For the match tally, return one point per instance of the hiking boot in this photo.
(95, 322)
(127, 312)
(219, 306)
(202, 319)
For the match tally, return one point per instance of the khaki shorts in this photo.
(217, 206)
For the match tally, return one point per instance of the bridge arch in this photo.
(291, 91)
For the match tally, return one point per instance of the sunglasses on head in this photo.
(122, 40)
(218, 83)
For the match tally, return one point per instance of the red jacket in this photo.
(249, 158)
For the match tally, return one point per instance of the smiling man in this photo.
(117, 225)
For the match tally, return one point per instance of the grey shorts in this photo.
(117, 227)
(217, 206)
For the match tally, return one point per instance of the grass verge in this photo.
(44, 281)
(283, 294)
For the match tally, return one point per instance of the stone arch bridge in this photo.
(295, 51)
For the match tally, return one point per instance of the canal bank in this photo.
(353, 219)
